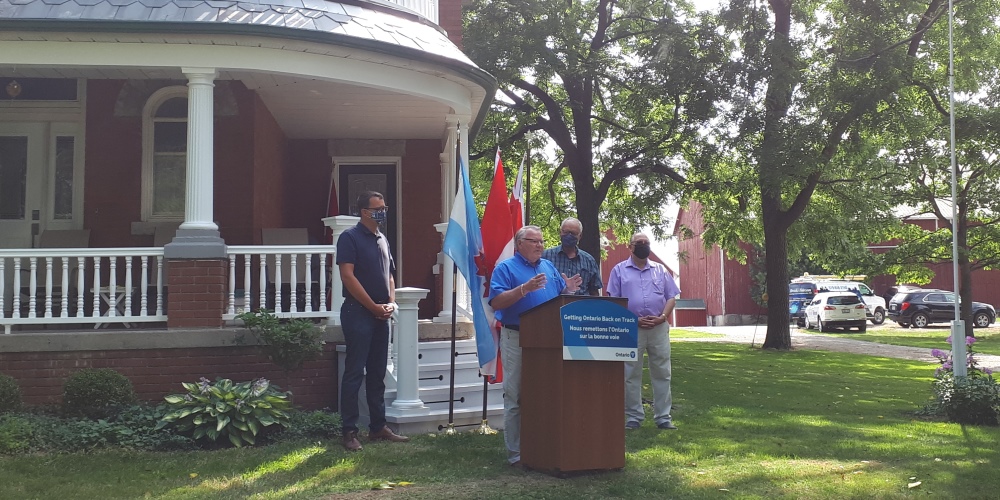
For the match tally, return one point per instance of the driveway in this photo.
(754, 335)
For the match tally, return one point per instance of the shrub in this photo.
(15, 435)
(973, 399)
(10, 394)
(134, 428)
(288, 344)
(97, 393)
(226, 410)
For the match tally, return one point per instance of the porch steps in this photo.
(434, 367)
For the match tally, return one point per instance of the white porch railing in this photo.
(428, 9)
(81, 285)
(293, 281)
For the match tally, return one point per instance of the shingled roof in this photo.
(335, 21)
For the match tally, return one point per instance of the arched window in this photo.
(164, 154)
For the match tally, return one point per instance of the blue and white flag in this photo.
(463, 242)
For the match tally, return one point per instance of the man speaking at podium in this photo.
(518, 284)
(651, 294)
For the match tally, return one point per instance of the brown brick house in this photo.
(169, 134)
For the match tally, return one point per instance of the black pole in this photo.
(454, 319)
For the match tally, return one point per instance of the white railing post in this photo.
(338, 224)
(407, 355)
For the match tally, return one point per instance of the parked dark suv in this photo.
(923, 307)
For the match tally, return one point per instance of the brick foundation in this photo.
(157, 372)
(196, 293)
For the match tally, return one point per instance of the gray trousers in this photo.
(510, 352)
(655, 342)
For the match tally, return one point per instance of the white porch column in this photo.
(463, 148)
(339, 224)
(449, 180)
(407, 355)
(200, 150)
(447, 280)
(198, 236)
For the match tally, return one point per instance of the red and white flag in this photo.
(498, 244)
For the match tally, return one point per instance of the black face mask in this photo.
(569, 240)
(641, 250)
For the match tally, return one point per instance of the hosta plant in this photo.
(224, 410)
(973, 399)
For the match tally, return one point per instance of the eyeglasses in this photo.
(533, 241)
(640, 242)
(379, 209)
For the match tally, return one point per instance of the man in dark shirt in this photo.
(366, 269)
(570, 260)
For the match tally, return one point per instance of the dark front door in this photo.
(357, 178)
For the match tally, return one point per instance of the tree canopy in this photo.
(622, 88)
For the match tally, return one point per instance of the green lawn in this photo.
(680, 333)
(987, 339)
(753, 424)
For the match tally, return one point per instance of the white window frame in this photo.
(74, 130)
(148, 113)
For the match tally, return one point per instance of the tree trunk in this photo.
(588, 210)
(776, 263)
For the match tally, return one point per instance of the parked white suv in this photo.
(874, 305)
(830, 310)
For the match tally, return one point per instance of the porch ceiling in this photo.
(314, 109)
(304, 108)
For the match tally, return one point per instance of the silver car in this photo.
(829, 310)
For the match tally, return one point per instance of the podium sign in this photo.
(599, 331)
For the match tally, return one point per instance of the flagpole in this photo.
(454, 320)
(527, 185)
(454, 308)
(484, 427)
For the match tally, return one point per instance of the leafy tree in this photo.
(925, 163)
(622, 88)
(805, 123)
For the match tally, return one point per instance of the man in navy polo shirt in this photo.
(518, 284)
(366, 268)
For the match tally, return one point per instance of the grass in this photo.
(753, 424)
(987, 339)
(680, 333)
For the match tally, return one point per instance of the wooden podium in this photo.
(572, 412)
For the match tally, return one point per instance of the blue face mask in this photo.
(569, 240)
(379, 216)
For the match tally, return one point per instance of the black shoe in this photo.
(667, 425)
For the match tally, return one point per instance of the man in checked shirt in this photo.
(571, 260)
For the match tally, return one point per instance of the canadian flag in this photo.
(498, 244)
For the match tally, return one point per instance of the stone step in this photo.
(436, 420)
(466, 395)
(439, 351)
